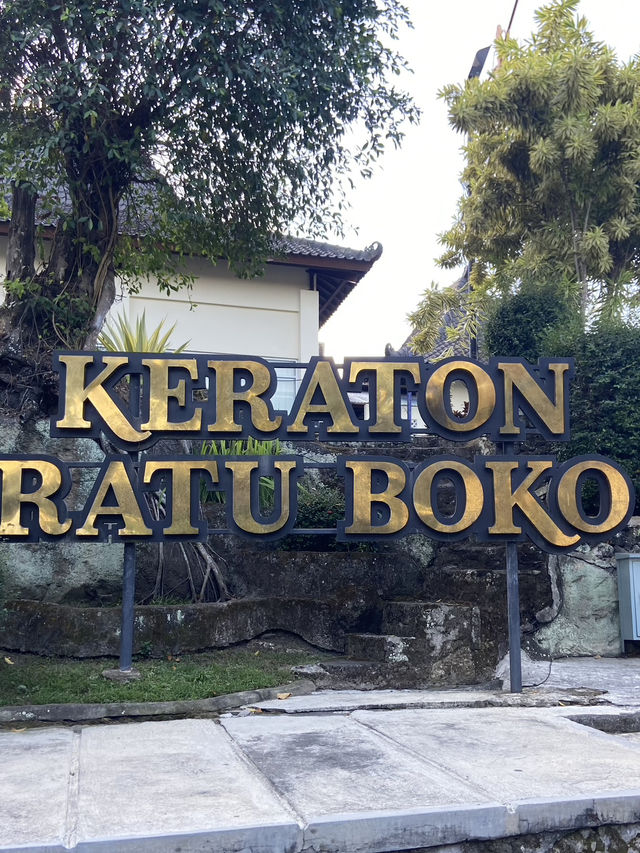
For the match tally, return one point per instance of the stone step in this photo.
(370, 675)
(430, 619)
(386, 648)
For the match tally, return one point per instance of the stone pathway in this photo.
(395, 776)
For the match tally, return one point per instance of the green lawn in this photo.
(33, 680)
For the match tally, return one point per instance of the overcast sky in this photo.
(413, 196)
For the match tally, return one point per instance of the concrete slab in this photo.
(355, 781)
(430, 777)
(325, 701)
(346, 701)
(514, 754)
(37, 768)
(620, 677)
(180, 778)
(326, 765)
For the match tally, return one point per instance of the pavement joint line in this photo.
(429, 762)
(255, 771)
(72, 813)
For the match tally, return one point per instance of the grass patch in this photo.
(33, 680)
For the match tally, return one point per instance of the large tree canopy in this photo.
(150, 128)
(552, 173)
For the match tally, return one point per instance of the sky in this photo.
(413, 195)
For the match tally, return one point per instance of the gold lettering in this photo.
(241, 506)
(506, 499)
(180, 471)
(568, 497)
(13, 497)
(486, 395)
(226, 396)
(116, 477)
(160, 392)
(364, 498)
(334, 404)
(474, 496)
(77, 395)
(517, 376)
(385, 373)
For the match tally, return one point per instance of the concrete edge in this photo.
(609, 807)
(376, 832)
(568, 700)
(615, 721)
(78, 712)
(268, 838)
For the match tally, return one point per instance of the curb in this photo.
(77, 712)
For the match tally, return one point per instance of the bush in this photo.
(320, 506)
(519, 325)
(605, 416)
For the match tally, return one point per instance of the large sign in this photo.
(137, 399)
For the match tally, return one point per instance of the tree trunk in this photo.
(106, 299)
(21, 250)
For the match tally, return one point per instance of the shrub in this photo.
(519, 325)
(320, 506)
(605, 416)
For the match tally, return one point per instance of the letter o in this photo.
(486, 395)
(474, 496)
(568, 496)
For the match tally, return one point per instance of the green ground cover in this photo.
(34, 680)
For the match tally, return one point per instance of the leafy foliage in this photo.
(188, 127)
(241, 447)
(605, 417)
(124, 335)
(552, 172)
(520, 324)
(458, 308)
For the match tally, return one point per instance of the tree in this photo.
(146, 129)
(524, 324)
(552, 171)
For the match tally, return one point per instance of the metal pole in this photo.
(128, 616)
(513, 611)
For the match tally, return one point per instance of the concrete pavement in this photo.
(354, 780)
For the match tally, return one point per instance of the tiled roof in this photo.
(336, 269)
(317, 249)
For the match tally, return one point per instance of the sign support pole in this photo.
(129, 564)
(128, 615)
(513, 613)
(513, 606)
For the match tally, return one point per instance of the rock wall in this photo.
(583, 618)
(60, 572)
(569, 603)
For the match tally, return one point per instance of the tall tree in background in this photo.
(144, 129)
(553, 176)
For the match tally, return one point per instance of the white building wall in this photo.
(274, 316)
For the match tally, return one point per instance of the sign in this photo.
(135, 399)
